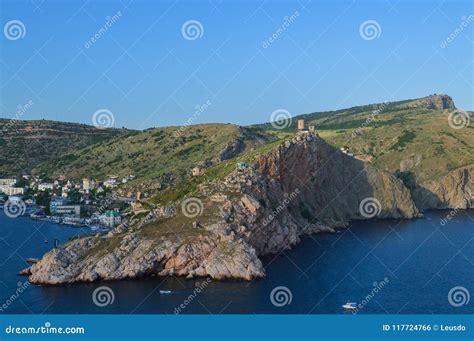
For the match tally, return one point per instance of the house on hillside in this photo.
(110, 218)
(197, 171)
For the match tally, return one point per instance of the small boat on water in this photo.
(350, 306)
(37, 215)
(32, 260)
(165, 291)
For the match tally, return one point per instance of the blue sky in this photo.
(148, 74)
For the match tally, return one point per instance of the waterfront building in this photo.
(67, 209)
(8, 190)
(110, 218)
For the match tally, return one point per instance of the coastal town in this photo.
(89, 202)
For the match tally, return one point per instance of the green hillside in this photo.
(25, 144)
(157, 153)
(411, 136)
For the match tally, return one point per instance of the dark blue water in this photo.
(421, 260)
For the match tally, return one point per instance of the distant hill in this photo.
(25, 144)
(412, 136)
(157, 153)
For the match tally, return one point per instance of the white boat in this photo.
(165, 291)
(350, 306)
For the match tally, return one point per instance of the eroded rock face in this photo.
(231, 150)
(137, 257)
(307, 186)
(455, 190)
(437, 102)
(303, 186)
(333, 184)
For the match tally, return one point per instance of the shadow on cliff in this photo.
(333, 185)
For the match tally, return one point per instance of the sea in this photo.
(420, 266)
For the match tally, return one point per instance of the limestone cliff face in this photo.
(455, 190)
(308, 186)
(137, 256)
(333, 184)
(303, 186)
(437, 102)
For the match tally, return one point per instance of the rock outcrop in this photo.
(436, 102)
(302, 186)
(455, 190)
(136, 256)
(231, 150)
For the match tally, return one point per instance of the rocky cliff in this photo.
(437, 102)
(302, 186)
(455, 190)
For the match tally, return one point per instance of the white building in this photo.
(88, 184)
(110, 218)
(45, 186)
(6, 186)
(7, 182)
(65, 192)
(110, 183)
(11, 190)
(67, 209)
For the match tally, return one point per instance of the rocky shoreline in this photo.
(301, 187)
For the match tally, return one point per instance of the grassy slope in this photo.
(219, 171)
(420, 138)
(151, 153)
(25, 144)
(401, 132)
